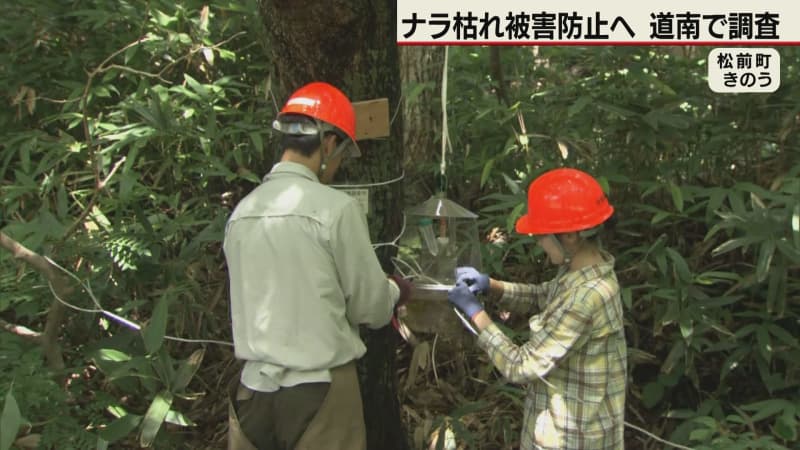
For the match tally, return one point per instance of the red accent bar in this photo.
(607, 43)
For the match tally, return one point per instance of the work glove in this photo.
(477, 282)
(405, 287)
(464, 299)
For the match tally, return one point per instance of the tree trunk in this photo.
(421, 72)
(351, 45)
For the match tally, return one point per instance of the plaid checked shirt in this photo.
(577, 346)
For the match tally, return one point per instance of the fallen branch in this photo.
(49, 337)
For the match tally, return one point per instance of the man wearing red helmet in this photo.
(575, 359)
(303, 277)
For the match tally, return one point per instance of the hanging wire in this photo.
(379, 183)
(114, 317)
(443, 163)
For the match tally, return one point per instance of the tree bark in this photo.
(421, 72)
(351, 45)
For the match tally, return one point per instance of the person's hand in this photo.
(464, 299)
(405, 287)
(476, 281)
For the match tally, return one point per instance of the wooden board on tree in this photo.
(372, 118)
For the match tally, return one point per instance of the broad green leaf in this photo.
(681, 268)
(714, 277)
(737, 203)
(709, 422)
(154, 418)
(767, 408)
(674, 356)
(120, 427)
(756, 202)
(659, 217)
(196, 86)
(109, 354)
(627, 297)
(163, 20)
(782, 335)
(677, 196)
(766, 250)
(733, 244)
(661, 262)
(787, 250)
(186, 370)
(258, 143)
(652, 393)
(515, 214)
(130, 53)
(786, 427)
(702, 434)
(686, 325)
(180, 419)
(673, 312)
(153, 332)
(776, 291)
(714, 202)
(578, 106)
(487, 169)
(512, 185)
(10, 421)
(746, 330)
(732, 362)
(61, 202)
(764, 343)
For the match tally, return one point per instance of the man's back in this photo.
(295, 303)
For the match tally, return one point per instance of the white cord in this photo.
(116, 318)
(396, 110)
(443, 164)
(393, 242)
(380, 183)
(663, 441)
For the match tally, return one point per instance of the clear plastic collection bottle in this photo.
(428, 236)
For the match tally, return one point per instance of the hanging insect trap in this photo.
(439, 236)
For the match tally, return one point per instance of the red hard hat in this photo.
(564, 200)
(324, 102)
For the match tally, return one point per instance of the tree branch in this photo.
(49, 338)
(21, 331)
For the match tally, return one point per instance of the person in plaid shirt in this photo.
(574, 363)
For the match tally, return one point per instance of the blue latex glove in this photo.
(462, 297)
(477, 282)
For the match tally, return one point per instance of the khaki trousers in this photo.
(311, 416)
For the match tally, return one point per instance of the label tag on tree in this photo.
(362, 195)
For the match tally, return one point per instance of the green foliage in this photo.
(10, 421)
(132, 128)
(708, 237)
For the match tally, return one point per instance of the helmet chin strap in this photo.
(566, 254)
(324, 158)
(564, 266)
